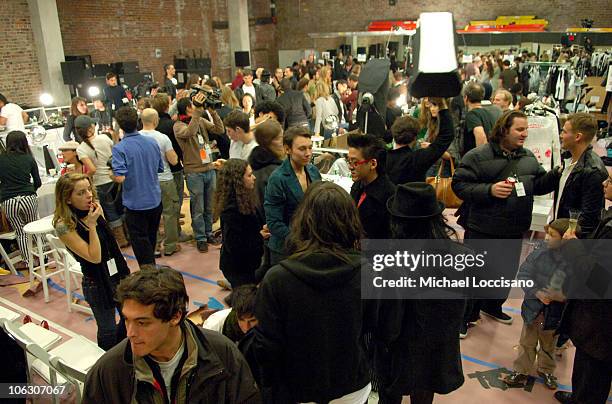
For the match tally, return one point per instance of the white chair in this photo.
(6, 314)
(37, 357)
(74, 376)
(36, 231)
(39, 335)
(10, 261)
(72, 271)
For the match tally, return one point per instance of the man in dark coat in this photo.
(404, 164)
(371, 188)
(249, 87)
(497, 182)
(580, 185)
(210, 369)
(588, 322)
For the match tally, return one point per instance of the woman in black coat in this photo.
(417, 340)
(236, 204)
(588, 322)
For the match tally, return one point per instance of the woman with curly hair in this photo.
(236, 205)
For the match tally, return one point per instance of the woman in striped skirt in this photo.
(19, 180)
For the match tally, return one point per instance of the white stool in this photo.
(37, 230)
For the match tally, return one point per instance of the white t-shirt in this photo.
(99, 157)
(569, 166)
(239, 150)
(165, 145)
(249, 90)
(216, 321)
(14, 119)
(167, 369)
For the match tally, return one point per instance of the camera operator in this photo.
(195, 135)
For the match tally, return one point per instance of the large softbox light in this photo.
(435, 57)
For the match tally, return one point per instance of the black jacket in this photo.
(539, 266)
(297, 109)
(480, 168)
(583, 191)
(373, 210)
(263, 163)
(588, 322)
(310, 324)
(417, 343)
(242, 246)
(407, 165)
(214, 372)
(166, 126)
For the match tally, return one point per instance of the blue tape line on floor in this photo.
(188, 274)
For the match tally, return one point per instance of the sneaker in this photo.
(202, 246)
(564, 397)
(516, 379)
(501, 317)
(550, 381)
(215, 241)
(463, 331)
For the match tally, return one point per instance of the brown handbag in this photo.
(444, 192)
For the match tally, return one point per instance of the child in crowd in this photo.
(542, 308)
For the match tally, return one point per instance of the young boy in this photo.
(541, 309)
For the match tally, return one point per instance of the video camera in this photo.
(213, 96)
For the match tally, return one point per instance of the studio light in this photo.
(46, 99)
(436, 57)
(93, 91)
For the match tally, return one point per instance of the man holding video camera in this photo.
(195, 135)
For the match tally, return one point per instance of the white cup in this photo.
(52, 172)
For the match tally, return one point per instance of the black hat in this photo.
(414, 200)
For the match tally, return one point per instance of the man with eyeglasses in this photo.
(371, 188)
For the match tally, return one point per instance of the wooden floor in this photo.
(489, 347)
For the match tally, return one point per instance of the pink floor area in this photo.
(488, 347)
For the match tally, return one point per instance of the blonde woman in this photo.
(80, 225)
(326, 111)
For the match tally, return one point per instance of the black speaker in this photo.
(242, 59)
(75, 72)
(133, 79)
(126, 67)
(85, 58)
(346, 49)
(203, 63)
(101, 69)
(180, 63)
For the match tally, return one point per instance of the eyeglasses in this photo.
(353, 163)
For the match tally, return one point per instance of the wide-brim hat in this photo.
(414, 200)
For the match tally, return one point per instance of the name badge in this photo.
(520, 189)
(112, 267)
(206, 154)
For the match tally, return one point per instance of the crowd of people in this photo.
(297, 329)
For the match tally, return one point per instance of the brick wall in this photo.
(297, 18)
(113, 31)
(19, 73)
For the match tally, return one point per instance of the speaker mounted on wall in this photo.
(242, 58)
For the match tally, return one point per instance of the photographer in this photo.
(195, 135)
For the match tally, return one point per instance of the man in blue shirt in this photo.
(136, 162)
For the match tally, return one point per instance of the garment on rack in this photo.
(543, 140)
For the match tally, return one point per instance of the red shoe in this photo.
(27, 319)
(44, 324)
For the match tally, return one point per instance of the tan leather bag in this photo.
(444, 192)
